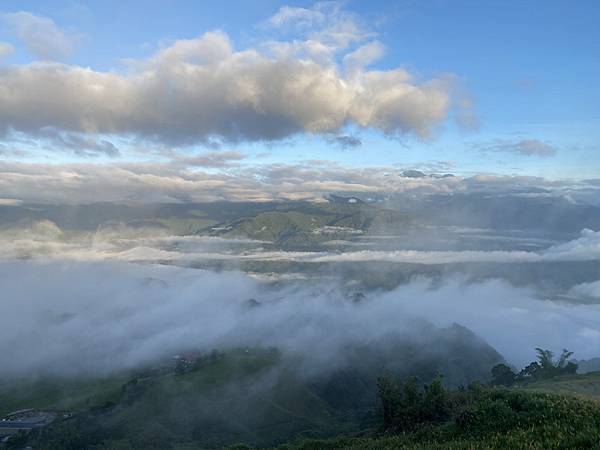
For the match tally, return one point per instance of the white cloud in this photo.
(586, 247)
(44, 240)
(327, 23)
(173, 182)
(202, 89)
(299, 17)
(213, 47)
(42, 37)
(146, 312)
(363, 56)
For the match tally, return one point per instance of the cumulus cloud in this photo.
(41, 36)
(363, 56)
(203, 89)
(526, 147)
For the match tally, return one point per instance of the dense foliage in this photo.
(542, 369)
(475, 417)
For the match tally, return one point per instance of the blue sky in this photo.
(524, 74)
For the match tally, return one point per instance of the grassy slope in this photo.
(59, 395)
(236, 398)
(297, 223)
(68, 394)
(500, 419)
(585, 385)
(202, 406)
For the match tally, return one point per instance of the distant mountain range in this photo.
(293, 223)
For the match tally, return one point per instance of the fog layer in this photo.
(44, 239)
(97, 317)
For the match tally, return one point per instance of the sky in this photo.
(180, 90)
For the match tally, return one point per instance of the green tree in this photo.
(502, 375)
(545, 360)
(389, 398)
(436, 403)
(531, 372)
(546, 367)
(564, 359)
(549, 368)
(405, 407)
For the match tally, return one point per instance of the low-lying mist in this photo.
(45, 240)
(73, 318)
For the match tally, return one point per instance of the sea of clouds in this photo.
(74, 317)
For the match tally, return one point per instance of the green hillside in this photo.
(468, 418)
(252, 395)
(241, 396)
(301, 224)
(266, 399)
(289, 224)
(585, 385)
(59, 394)
(478, 418)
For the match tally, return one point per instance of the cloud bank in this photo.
(73, 318)
(310, 180)
(45, 241)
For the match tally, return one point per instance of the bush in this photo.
(404, 407)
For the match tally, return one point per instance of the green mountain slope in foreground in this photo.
(561, 413)
(246, 396)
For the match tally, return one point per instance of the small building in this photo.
(188, 357)
(24, 421)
